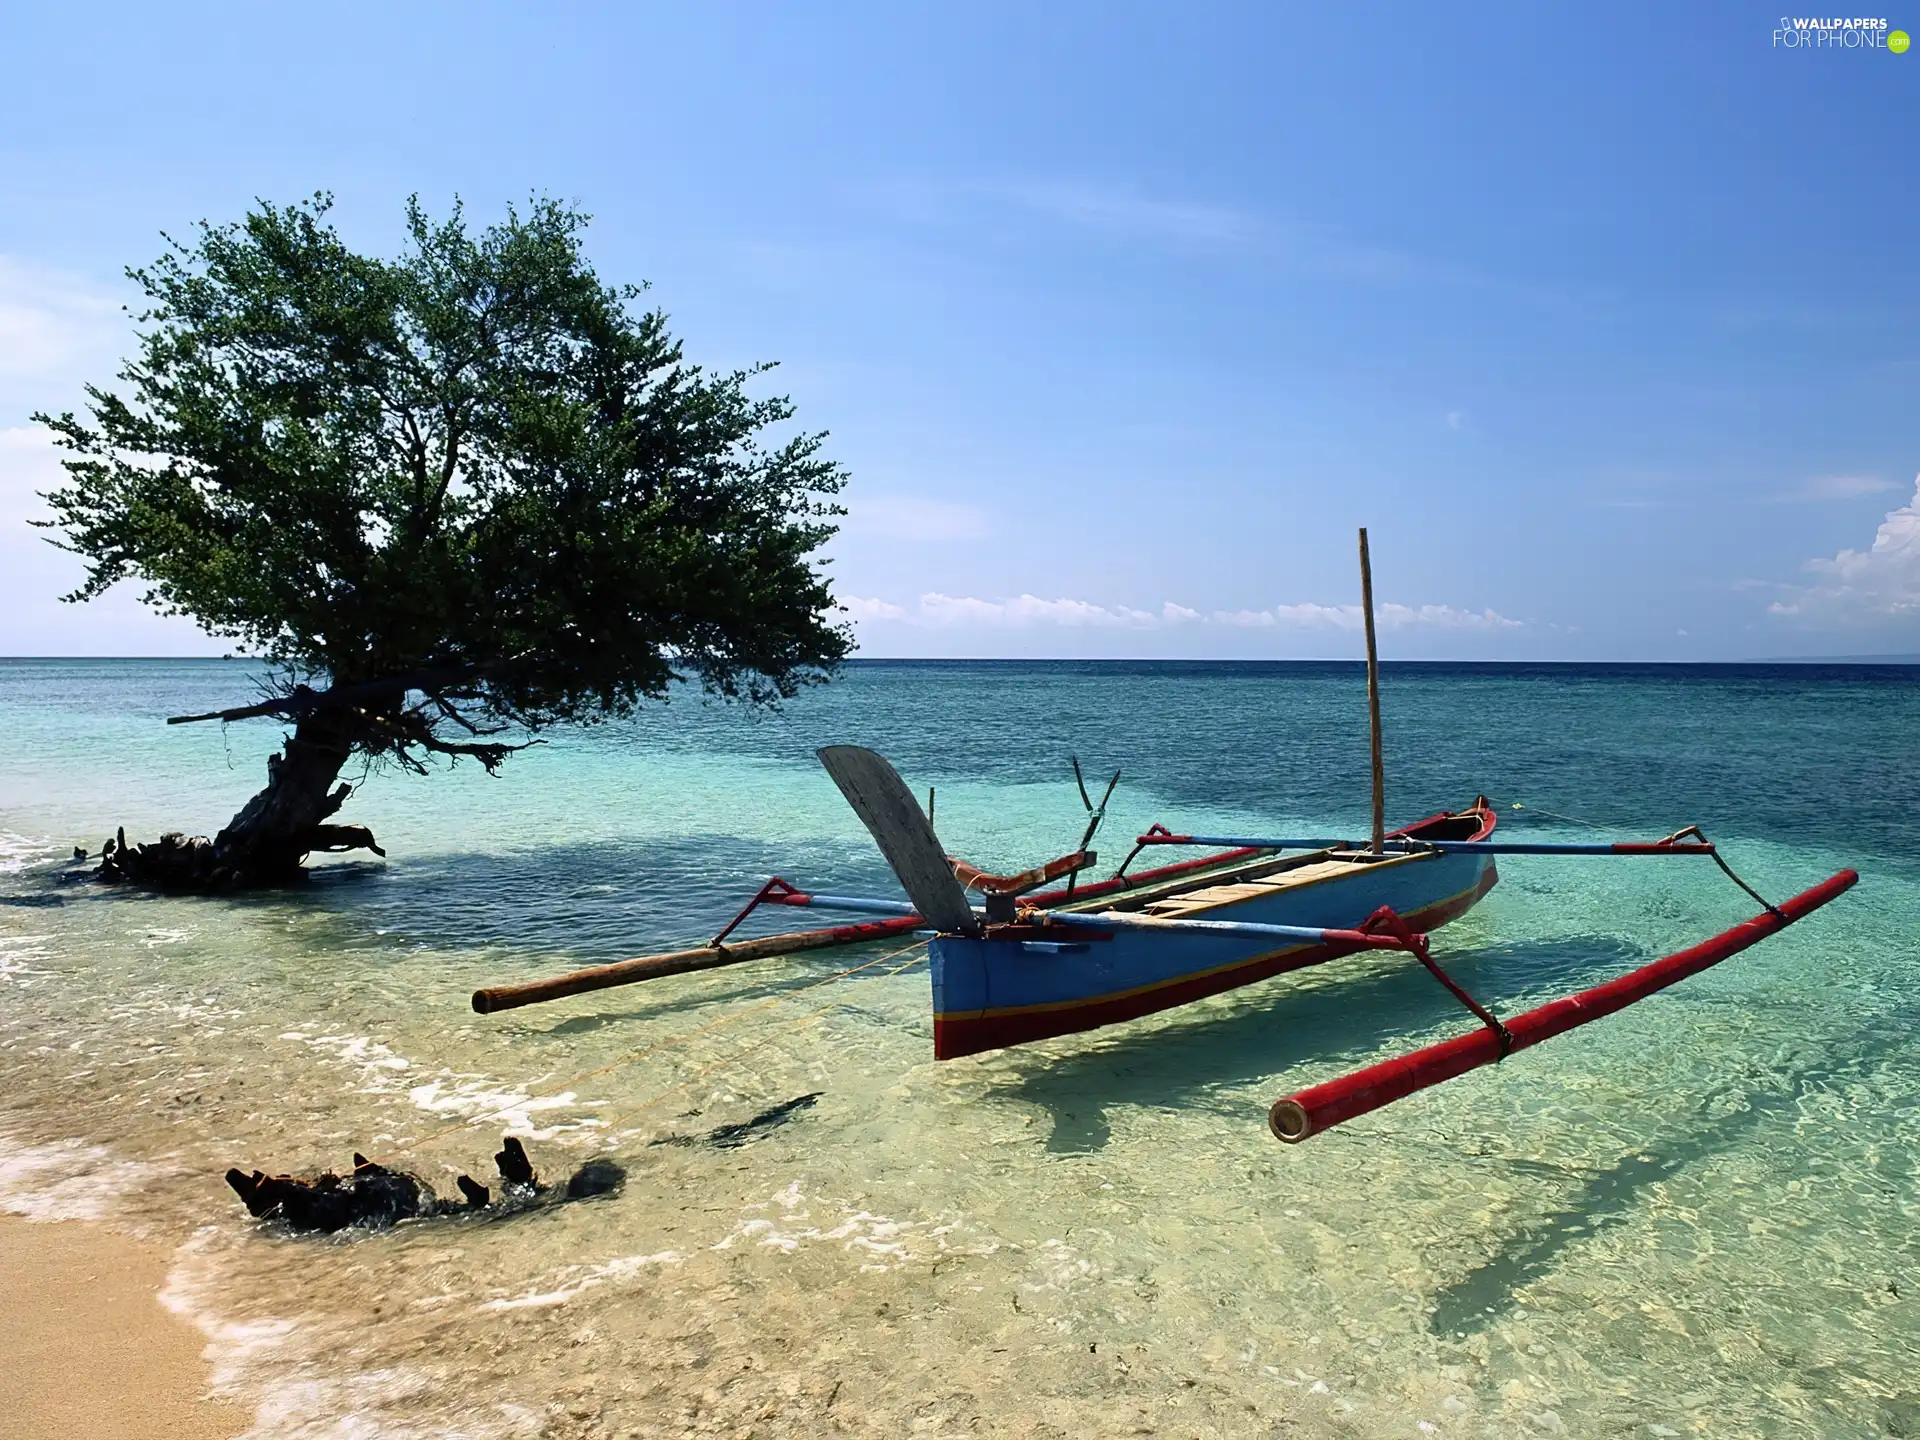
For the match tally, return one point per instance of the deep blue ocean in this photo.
(1696, 1217)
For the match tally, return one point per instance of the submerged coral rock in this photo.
(596, 1177)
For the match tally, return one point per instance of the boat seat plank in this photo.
(1212, 895)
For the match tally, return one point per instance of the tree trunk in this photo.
(266, 843)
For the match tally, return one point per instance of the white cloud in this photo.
(1832, 487)
(33, 575)
(946, 612)
(859, 610)
(915, 517)
(1456, 420)
(29, 464)
(1444, 617)
(1309, 615)
(1349, 617)
(1028, 610)
(938, 611)
(1245, 619)
(1865, 586)
(58, 332)
(1127, 212)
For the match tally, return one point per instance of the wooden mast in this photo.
(1373, 700)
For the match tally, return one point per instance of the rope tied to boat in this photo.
(1387, 920)
(1552, 814)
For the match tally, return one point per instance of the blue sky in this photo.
(1605, 321)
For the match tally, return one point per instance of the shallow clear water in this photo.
(1696, 1217)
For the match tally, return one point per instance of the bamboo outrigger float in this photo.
(1030, 963)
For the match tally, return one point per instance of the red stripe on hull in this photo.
(961, 1035)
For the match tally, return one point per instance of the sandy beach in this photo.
(90, 1350)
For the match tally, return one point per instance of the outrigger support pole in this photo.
(681, 962)
(776, 891)
(1386, 921)
(1362, 939)
(1412, 846)
(1321, 1107)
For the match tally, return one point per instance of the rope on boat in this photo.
(1554, 815)
(671, 1041)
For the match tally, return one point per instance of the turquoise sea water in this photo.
(1697, 1217)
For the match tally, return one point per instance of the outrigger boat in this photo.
(1030, 963)
(1016, 973)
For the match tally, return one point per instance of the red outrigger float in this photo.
(1308, 1112)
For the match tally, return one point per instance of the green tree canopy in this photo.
(472, 487)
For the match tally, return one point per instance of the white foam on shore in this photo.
(623, 1268)
(376, 1061)
(268, 1364)
(878, 1242)
(479, 1097)
(18, 954)
(17, 852)
(67, 1180)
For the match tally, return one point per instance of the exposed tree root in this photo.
(193, 864)
(267, 843)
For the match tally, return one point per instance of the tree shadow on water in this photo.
(583, 903)
(1334, 1017)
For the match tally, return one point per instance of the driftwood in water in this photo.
(374, 1197)
(732, 1137)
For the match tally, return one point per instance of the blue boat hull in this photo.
(1008, 990)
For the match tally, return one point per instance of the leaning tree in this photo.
(453, 498)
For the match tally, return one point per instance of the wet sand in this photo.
(89, 1349)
